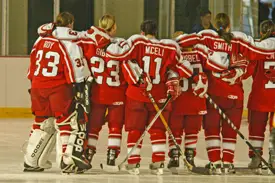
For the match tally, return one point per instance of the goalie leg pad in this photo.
(40, 145)
(73, 145)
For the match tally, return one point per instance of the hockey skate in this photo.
(174, 163)
(28, 168)
(271, 160)
(133, 169)
(71, 168)
(214, 168)
(157, 168)
(89, 154)
(111, 161)
(255, 164)
(228, 168)
(190, 154)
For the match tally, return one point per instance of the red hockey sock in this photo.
(133, 137)
(65, 130)
(178, 137)
(158, 140)
(213, 147)
(114, 139)
(93, 138)
(257, 126)
(191, 141)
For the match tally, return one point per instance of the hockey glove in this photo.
(79, 92)
(145, 83)
(232, 76)
(173, 88)
(270, 74)
(46, 29)
(201, 86)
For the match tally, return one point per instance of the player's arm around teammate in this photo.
(188, 110)
(225, 88)
(145, 68)
(108, 92)
(53, 71)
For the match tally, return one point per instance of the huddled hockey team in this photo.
(168, 87)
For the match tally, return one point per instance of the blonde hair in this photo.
(64, 19)
(107, 22)
(176, 34)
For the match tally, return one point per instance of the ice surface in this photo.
(14, 133)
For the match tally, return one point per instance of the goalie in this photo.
(56, 70)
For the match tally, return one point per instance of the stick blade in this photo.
(200, 170)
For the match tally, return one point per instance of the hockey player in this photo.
(261, 103)
(188, 117)
(225, 88)
(55, 71)
(146, 71)
(108, 93)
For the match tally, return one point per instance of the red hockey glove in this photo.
(238, 61)
(173, 87)
(46, 29)
(232, 76)
(145, 84)
(201, 85)
(270, 74)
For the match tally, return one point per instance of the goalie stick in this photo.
(224, 116)
(119, 167)
(197, 170)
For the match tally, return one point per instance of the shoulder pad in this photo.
(99, 36)
(238, 34)
(268, 43)
(170, 42)
(65, 33)
(208, 31)
(136, 36)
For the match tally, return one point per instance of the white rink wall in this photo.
(14, 83)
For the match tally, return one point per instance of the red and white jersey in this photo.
(241, 43)
(196, 105)
(110, 86)
(262, 96)
(154, 57)
(54, 62)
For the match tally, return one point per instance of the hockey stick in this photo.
(272, 133)
(144, 133)
(198, 170)
(224, 116)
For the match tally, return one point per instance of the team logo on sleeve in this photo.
(234, 97)
(202, 112)
(118, 103)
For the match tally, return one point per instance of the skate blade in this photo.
(134, 171)
(157, 172)
(109, 169)
(174, 170)
(33, 170)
